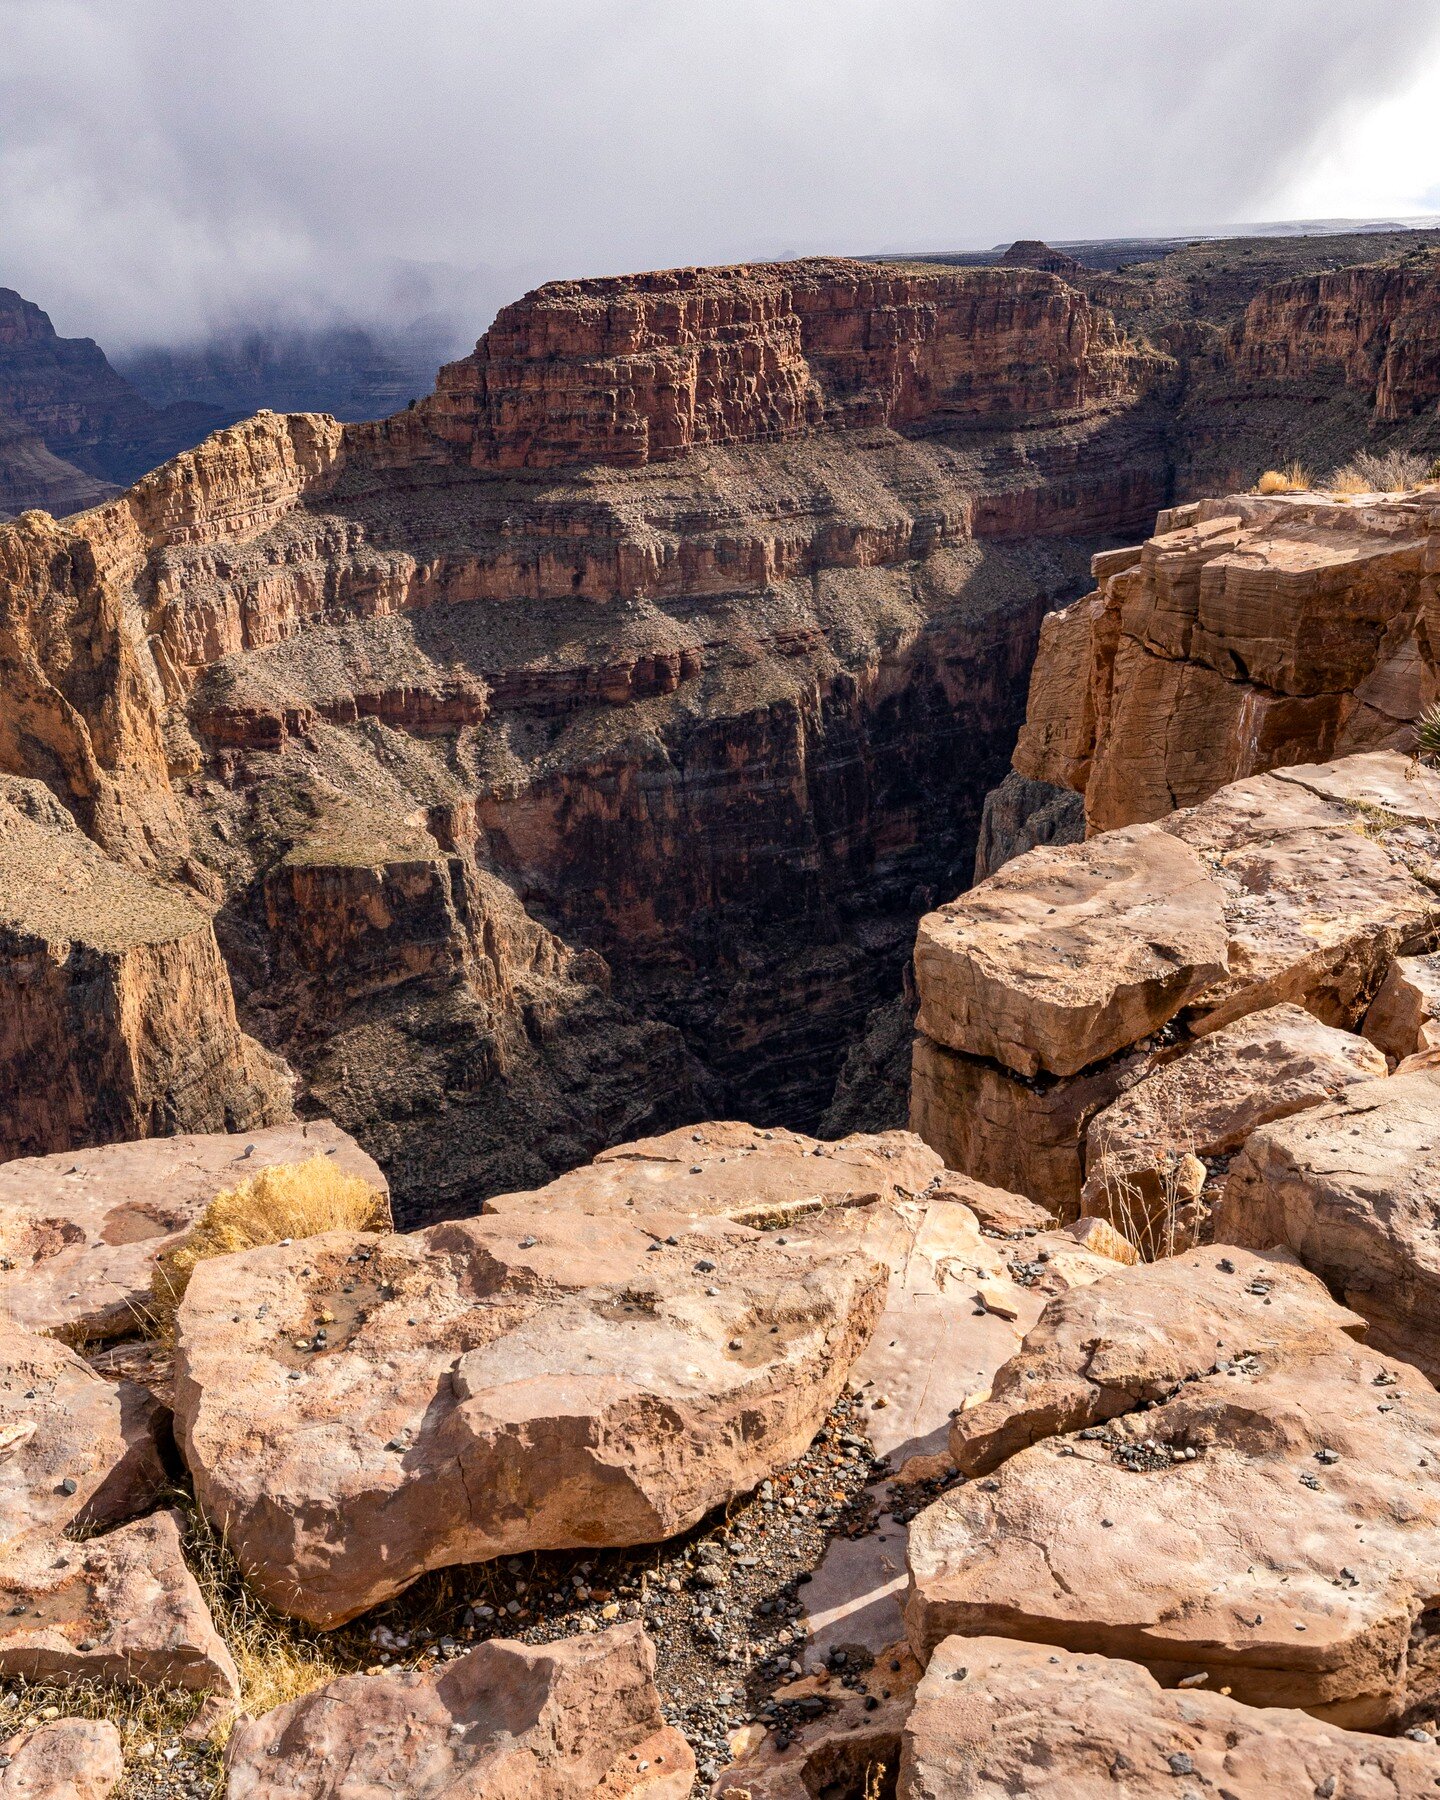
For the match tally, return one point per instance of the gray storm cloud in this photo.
(167, 166)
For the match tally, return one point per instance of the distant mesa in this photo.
(1031, 253)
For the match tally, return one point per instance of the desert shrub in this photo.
(1379, 472)
(290, 1200)
(1427, 734)
(1292, 479)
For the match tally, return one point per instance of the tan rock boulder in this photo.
(357, 1409)
(1402, 1020)
(737, 1171)
(123, 1607)
(1101, 1238)
(1206, 1100)
(559, 1721)
(80, 1231)
(1068, 955)
(76, 1451)
(1352, 1189)
(70, 1759)
(1262, 1507)
(993, 1718)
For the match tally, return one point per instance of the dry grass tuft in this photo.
(1294, 478)
(291, 1200)
(1380, 472)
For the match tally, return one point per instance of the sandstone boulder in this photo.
(1070, 954)
(1207, 1100)
(118, 1019)
(80, 1231)
(557, 1721)
(71, 1759)
(75, 1450)
(1402, 1016)
(993, 1719)
(357, 1409)
(123, 1607)
(1352, 1188)
(737, 1171)
(1101, 1238)
(1262, 1506)
(997, 1211)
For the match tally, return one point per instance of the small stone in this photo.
(1180, 1763)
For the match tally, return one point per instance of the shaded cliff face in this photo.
(571, 755)
(66, 393)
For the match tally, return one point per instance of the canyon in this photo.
(572, 754)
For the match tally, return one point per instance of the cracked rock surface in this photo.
(359, 1408)
(1262, 1507)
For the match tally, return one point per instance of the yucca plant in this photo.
(1427, 734)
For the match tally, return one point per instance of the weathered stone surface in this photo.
(1401, 1019)
(1352, 1189)
(1207, 1100)
(1068, 955)
(1020, 815)
(70, 1759)
(957, 1308)
(80, 1230)
(1252, 634)
(75, 1450)
(1101, 1238)
(732, 1170)
(1323, 875)
(505, 1383)
(848, 1743)
(1291, 1558)
(1005, 1214)
(993, 1718)
(118, 1019)
(1021, 1136)
(123, 1607)
(558, 1721)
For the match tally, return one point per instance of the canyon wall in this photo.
(650, 675)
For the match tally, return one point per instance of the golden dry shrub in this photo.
(288, 1200)
(1292, 479)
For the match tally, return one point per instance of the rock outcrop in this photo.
(566, 1721)
(31, 476)
(1067, 978)
(1247, 634)
(1351, 1188)
(80, 1232)
(522, 1382)
(118, 1019)
(1197, 1467)
(993, 1718)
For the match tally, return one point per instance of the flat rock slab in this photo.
(956, 1310)
(75, 1450)
(740, 1172)
(994, 1718)
(1291, 1558)
(1207, 1100)
(69, 1759)
(358, 1408)
(998, 1211)
(80, 1231)
(123, 1607)
(1068, 955)
(1353, 1188)
(574, 1718)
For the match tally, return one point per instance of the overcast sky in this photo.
(170, 165)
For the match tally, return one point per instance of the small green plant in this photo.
(1427, 735)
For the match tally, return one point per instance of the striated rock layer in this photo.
(570, 755)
